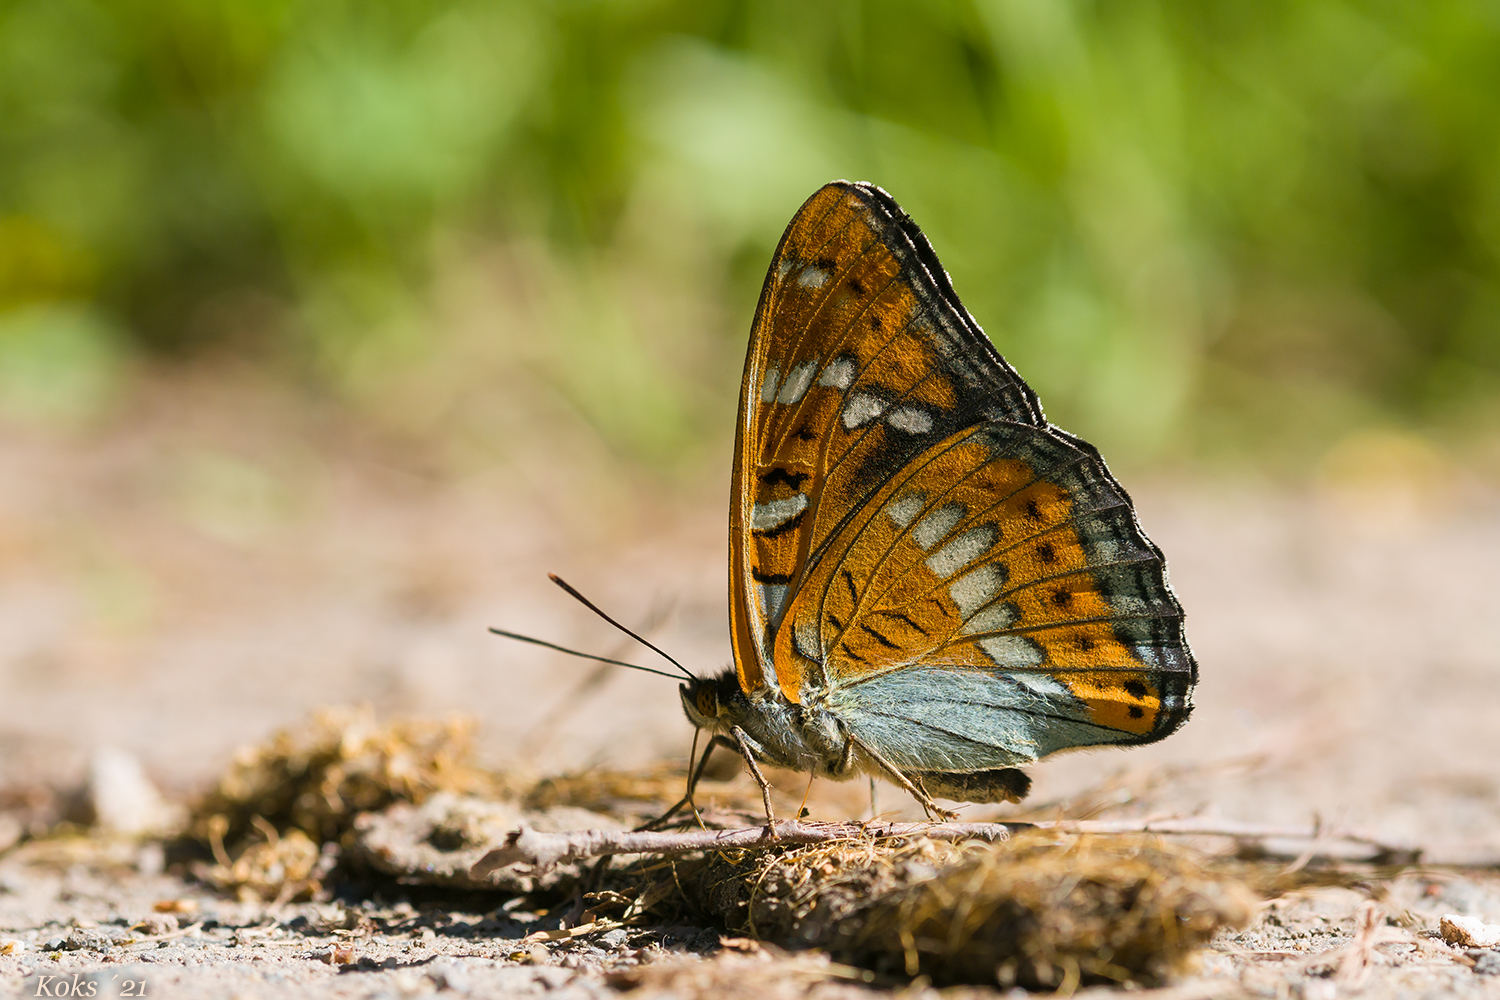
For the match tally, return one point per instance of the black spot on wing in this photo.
(887, 643)
(781, 476)
(908, 619)
(773, 578)
(790, 524)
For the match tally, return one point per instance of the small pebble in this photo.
(551, 976)
(176, 906)
(157, 924)
(10, 946)
(1486, 963)
(122, 797)
(446, 974)
(151, 859)
(614, 939)
(1316, 989)
(1468, 932)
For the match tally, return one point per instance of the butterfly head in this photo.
(707, 700)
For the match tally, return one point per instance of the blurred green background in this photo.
(1198, 228)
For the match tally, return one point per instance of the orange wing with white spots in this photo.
(900, 503)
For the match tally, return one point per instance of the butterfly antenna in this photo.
(587, 656)
(590, 605)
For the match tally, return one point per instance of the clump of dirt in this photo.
(317, 778)
(285, 804)
(1039, 911)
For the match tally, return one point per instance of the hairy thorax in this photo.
(775, 731)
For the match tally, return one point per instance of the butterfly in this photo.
(929, 582)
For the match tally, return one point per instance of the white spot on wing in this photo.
(805, 637)
(784, 268)
(1043, 685)
(905, 510)
(1011, 651)
(769, 384)
(797, 381)
(910, 419)
(861, 409)
(813, 277)
(973, 591)
(839, 374)
(995, 618)
(961, 551)
(935, 526)
(1107, 550)
(764, 516)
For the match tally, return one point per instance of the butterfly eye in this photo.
(707, 704)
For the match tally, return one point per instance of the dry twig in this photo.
(544, 850)
(1381, 850)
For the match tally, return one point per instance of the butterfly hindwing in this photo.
(908, 532)
(999, 553)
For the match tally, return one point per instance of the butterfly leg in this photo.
(697, 775)
(929, 806)
(760, 779)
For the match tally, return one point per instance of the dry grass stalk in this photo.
(282, 868)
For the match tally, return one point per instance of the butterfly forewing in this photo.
(856, 357)
(900, 501)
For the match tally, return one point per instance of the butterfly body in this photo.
(814, 738)
(775, 731)
(929, 581)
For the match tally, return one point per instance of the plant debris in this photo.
(271, 816)
(1041, 910)
(1047, 909)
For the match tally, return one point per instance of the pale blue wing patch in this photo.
(943, 719)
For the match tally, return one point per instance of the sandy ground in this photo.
(114, 939)
(225, 557)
